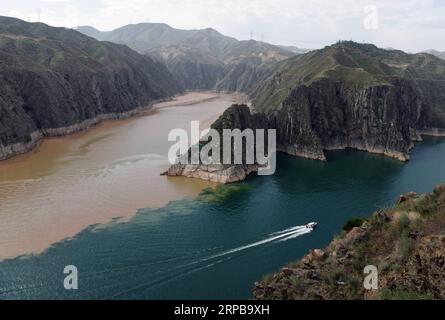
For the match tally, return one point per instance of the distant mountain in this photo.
(296, 49)
(437, 53)
(92, 32)
(55, 81)
(144, 37)
(199, 59)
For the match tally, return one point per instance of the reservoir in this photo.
(178, 239)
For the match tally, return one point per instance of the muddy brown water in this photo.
(109, 171)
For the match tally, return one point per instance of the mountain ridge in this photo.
(55, 81)
(384, 100)
(199, 59)
(436, 53)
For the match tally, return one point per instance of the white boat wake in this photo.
(280, 236)
(194, 266)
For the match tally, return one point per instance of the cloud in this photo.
(60, 1)
(412, 25)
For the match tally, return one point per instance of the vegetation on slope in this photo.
(353, 64)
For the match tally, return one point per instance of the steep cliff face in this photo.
(327, 115)
(347, 95)
(357, 96)
(55, 81)
(405, 243)
(236, 117)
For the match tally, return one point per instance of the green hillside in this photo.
(347, 62)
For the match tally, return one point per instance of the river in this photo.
(214, 245)
(106, 172)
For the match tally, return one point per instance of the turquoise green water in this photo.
(217, 246)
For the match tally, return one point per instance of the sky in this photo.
(409, 25)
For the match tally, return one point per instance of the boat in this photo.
(311, 225)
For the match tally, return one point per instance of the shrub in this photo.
(353, 223)
(399, 294)
(267, 278)
(426, 207)
(384, 266)
(404, 224)
(332, 277)
(341, 235)
(353, 289)
(406, 246)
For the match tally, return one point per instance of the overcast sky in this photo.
(410, 25)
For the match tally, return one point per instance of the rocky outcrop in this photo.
(236, 117)
(17, 148)
(216, 173)
(405, 243)
(56, 81)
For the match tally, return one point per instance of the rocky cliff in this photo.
(236, 117)
(56, 81)
(348, 96)
(356, 96)
(406, 244)
(327, 115)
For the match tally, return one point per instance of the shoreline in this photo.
(37, 137)
(239, 173)
(434, 132)
(19, 148)
(90, 177)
